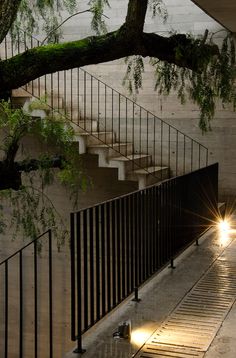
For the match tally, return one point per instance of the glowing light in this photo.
(139, 336)
(224, 226)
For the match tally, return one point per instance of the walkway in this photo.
(186, 312)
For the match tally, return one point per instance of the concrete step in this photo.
(88, 125)
(97, 137)
(109, 152)
(129, 163)
(20, 97)
(149, 175)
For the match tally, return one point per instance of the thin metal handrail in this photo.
(24, 247)
(146, 119)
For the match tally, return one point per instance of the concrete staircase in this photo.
(131, 166)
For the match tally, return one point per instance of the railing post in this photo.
(79, 348)
(50, 292)
(72, 276)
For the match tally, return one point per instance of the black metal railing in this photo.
(114, 119)
(117, 245)
(26, 313)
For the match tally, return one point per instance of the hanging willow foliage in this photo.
(214, 81)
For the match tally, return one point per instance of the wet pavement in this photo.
(159, 299)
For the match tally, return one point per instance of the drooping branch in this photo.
(11, 175)
(39, 61)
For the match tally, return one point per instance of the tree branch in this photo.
(10, 177)
(39, 61)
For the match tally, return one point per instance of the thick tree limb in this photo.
(36, 62)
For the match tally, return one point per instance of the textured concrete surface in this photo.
(159, 297)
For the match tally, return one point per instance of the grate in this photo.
(159, 350)
(191, 327)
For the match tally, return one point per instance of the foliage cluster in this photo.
(32, 210)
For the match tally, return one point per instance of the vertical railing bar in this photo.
(91, 260)
(147, 152)
(112, 114)
(126, 125)
(50, 293)
(161, 147)
(71, 95)
(58, 92)
(6, 309)
(154, 141)
(118, 257)
(123, 247)
(78, 94)
(72, 275)
(128, 242)
(119, 111)
(85, 99)
(106, 114)
(140, 133)
(114, 271)
(97, 225)
(108, 240)
(184, 154)
(35, 301)
(103, 253)
(199, 156)
(169, 150)
(98, 107)
(91, 103)
(85, 262)
(21, 304)
(177, 152)
(133, 144)
(65, 94)
(79, 348)
(191, 155)
(52, 99)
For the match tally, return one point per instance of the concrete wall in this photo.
(184, 16)
(104, 185)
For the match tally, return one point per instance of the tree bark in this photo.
(136, 14)
(39, 61)
(8, 12)
(10, 176)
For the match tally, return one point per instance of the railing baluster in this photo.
(118, 252)
(6, 309)
(79, 348)
(91, 265)
(50, 298)
(103, 254)
(36, 301)
(97, 261)
(113, 237)
(21, 305)
(72, 275)
(85, 263)
(108, 253)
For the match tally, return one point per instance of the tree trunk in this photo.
(8, 12)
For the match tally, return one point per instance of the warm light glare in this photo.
(139, 336)
(224, 226)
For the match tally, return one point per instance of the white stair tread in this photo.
(148, 170)
(96, 134)
(111, 146)
(131, 157)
